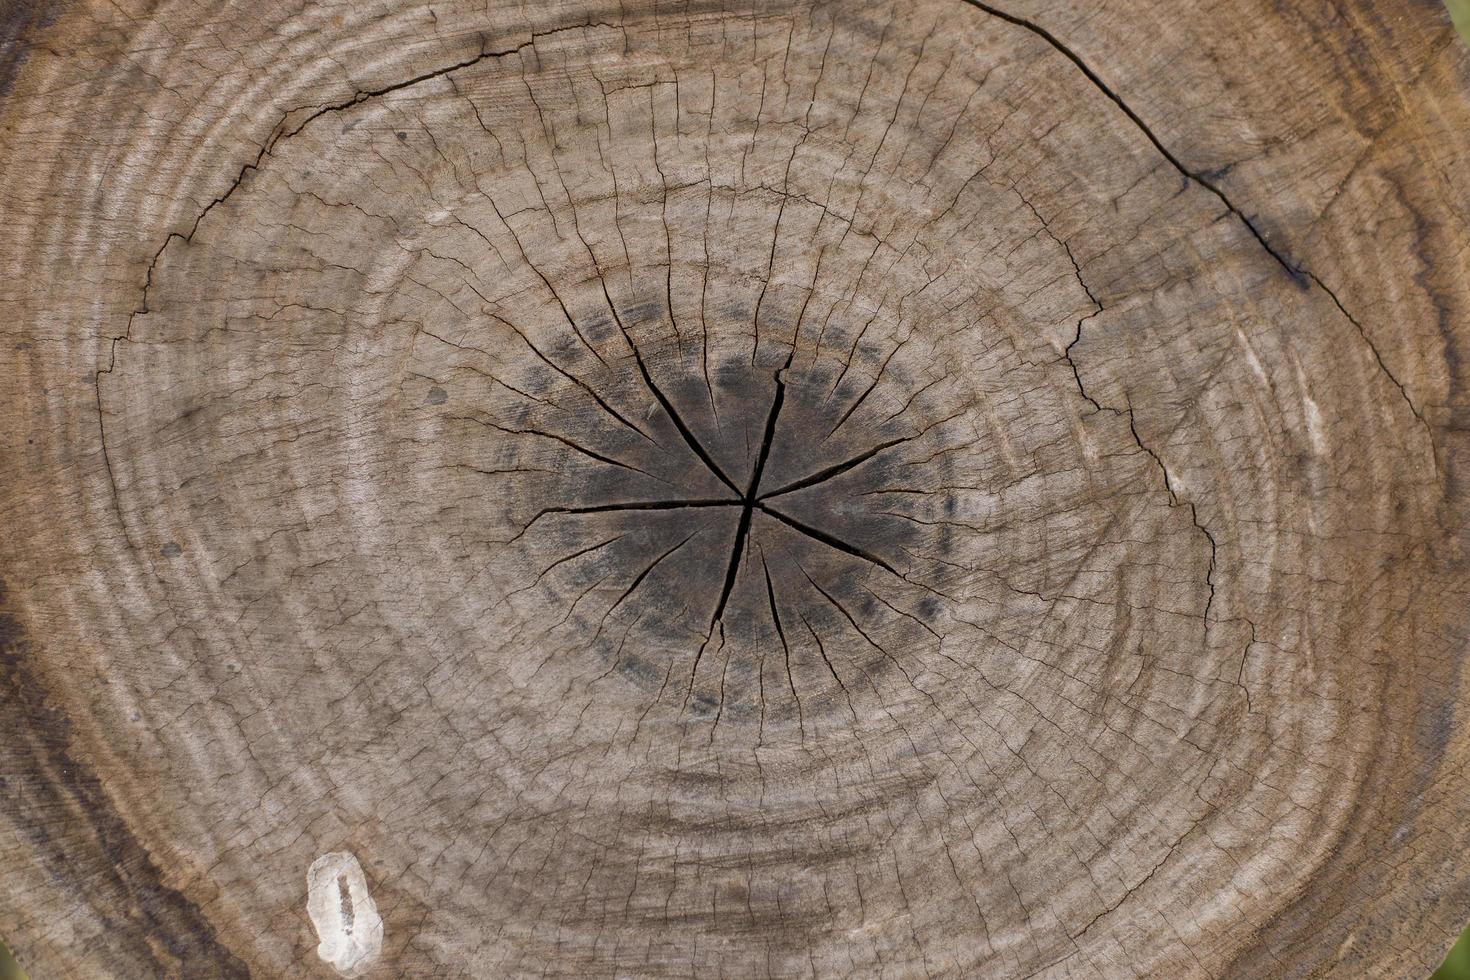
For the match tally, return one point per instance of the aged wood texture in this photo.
(842, 489)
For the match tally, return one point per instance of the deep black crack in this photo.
(748, 499)
(663, 521)
(1298, 273)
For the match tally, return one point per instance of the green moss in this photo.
(1460, 14)
(9, 969)
(1457, 964)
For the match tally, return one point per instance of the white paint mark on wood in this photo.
(1316, 427)
(1251, 358)
(344, 914)
(1311, 414)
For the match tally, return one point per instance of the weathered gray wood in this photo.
(634, 490)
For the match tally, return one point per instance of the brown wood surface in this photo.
(841, 489)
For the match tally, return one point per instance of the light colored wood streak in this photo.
(853, 489)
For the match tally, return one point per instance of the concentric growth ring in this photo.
(729, 489)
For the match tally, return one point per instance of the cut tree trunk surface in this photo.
(636, 489)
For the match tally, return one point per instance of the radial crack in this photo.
(572, 378)
(747, 498)
(836, 469)
(780, 631)
(684, 431)
(651, 566)
(563, 560)
(830, 540)
(592, 454)
(839, 468)
(636, 505)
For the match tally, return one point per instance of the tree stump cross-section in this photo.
(697, 489)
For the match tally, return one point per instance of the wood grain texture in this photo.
(697, 489)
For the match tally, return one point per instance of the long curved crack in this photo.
(1296, 271)
(278, 135)
(747, 499)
